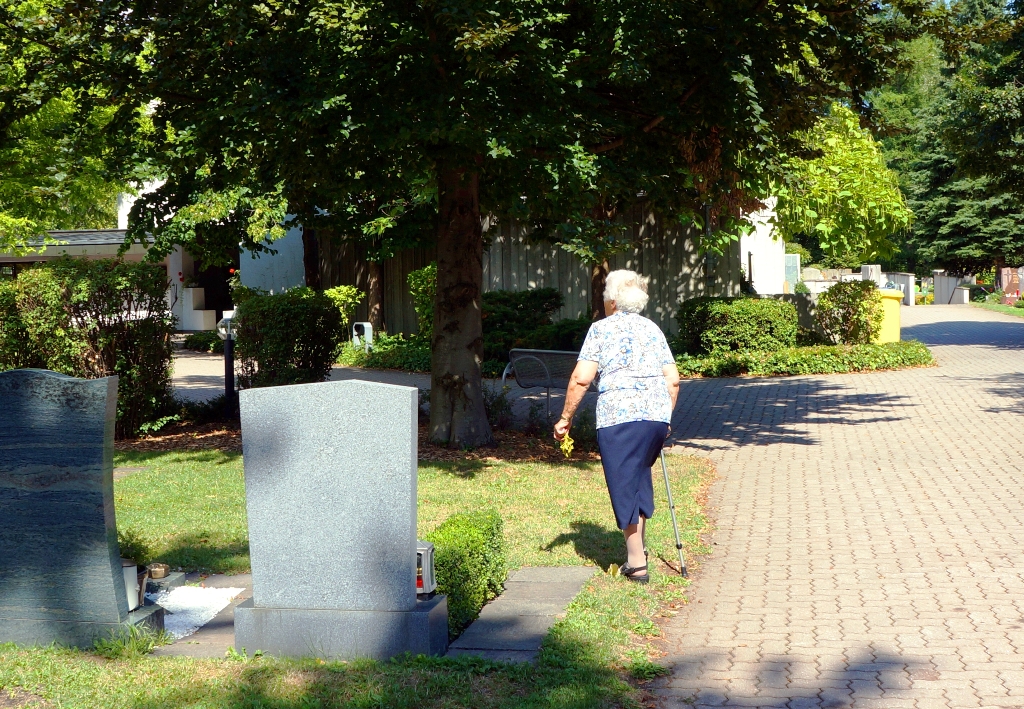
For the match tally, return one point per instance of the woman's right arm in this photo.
(579, 382)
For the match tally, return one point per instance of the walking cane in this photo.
(672, 510)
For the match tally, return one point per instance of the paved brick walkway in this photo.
(869, 530)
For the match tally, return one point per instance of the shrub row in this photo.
(824, 359)
(470, 563)
(292, 337)
(91, 319)
(718, 325)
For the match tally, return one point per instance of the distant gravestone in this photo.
(811, 274)
(873, 272)
(330, 488)
(60, 567)
(792, 270)
(1009, 280)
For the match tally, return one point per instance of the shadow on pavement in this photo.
(1000, 334)
(785, 682)
(736, 411)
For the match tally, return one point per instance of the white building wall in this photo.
(762, 256)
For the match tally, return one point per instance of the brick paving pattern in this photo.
(868, 550)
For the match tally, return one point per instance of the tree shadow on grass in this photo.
(569, 674)
(591, 541)
(197, 551)
(465, 469)
(740, 411)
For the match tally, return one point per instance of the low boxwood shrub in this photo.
(823, 359)
(90, 319)
(287, 338)
(713, 325)
(470, 563)
(204, 341)
(850, 313)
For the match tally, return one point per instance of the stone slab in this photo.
(548, 606)
(505, 632)
(343, 635)
(552, 574)
(512, 627)
(172, 580)
(57, 497)
(563, 591)
(330, 483)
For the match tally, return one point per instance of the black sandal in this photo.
(628, 572)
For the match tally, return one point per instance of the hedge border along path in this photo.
(822, 359)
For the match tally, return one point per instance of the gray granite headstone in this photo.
(60, 568)
(330, 487)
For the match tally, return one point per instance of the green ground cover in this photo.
(819, 359)
(998, 308)
(188, 508)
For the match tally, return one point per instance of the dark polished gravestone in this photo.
(60, 567)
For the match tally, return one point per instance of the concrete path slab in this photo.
(512, 627)
(869, 549)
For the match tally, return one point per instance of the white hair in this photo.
(628, 289)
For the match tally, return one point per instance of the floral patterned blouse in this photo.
(630, 352)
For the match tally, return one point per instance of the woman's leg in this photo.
(634, 534)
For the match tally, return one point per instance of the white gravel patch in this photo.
(191, 607)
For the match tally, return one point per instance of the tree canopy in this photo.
(843, 197)
(966, 218)
(551, 112)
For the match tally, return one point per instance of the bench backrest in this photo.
(543, 368)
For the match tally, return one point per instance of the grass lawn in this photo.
(189, 509)
(1005, 309)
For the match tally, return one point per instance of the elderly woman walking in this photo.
(637, 392)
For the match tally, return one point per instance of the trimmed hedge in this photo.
(90, 319)
(825, 359)
(287, 338)
(471, 564)
(204, 341)
(717, 325)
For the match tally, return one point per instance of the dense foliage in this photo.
(90, 319)
(522, 319)
(850, 313)
(423, 288)
(715, 325)
(470, 563)
(844, 197)
(964, 220)
(824, 359)
(986, 125)
(287, 338)
(204, 341)
(557, 113)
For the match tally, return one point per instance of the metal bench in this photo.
(542, 368)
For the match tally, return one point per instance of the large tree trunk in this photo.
(375, 296)
(598, 273)
(311, 258)
(457, 415)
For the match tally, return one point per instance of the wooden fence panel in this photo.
(666, 252)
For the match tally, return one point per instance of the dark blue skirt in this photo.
(628, 451)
